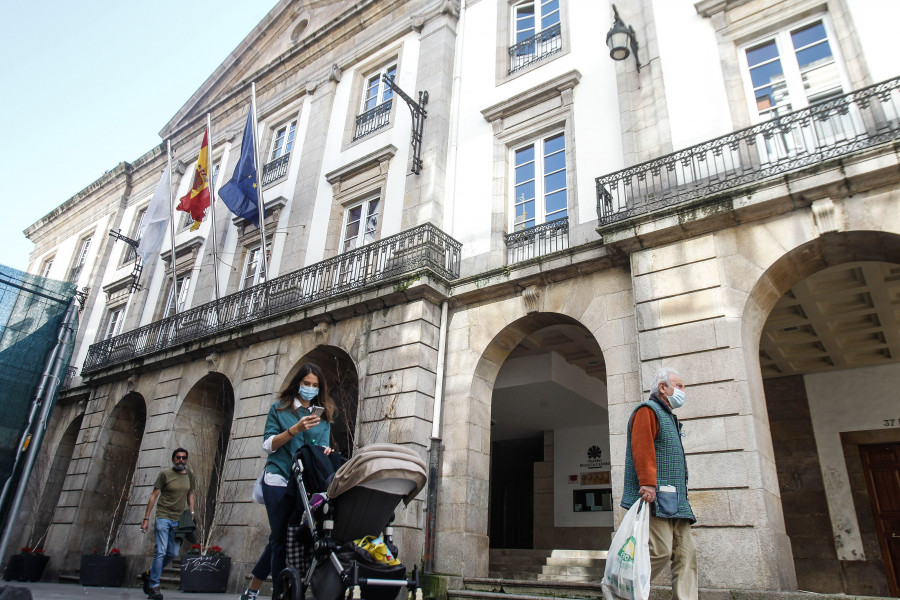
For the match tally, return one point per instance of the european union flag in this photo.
(239, 194)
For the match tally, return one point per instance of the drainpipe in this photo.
(434, 453)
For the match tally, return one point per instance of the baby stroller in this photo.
(359, 502)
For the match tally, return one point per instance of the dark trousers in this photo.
(279, 508)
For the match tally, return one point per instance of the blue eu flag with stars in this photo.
(239, 194)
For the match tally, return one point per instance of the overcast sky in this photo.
(89, 84)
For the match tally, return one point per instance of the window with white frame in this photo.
(360, 224)
(45, 268)
(280, 153)
(540, 194)
(114, 321)
(792, 69)
(535, 32)
(183, 282)
(80, 257)
(254, 270)
(375, 106)
(131, 251)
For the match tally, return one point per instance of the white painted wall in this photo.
(570, 458)
(692, 73)
(861, 399)
(876, 23)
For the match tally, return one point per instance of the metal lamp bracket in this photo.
(418, 120)
(138, 263)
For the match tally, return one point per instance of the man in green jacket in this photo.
(170, 491)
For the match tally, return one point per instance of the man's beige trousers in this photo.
(670, 540)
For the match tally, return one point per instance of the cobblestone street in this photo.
(69, 591)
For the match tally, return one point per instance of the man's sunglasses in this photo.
(180, 459)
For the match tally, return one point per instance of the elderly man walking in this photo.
(656, 471)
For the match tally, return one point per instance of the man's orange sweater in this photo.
(644, 429)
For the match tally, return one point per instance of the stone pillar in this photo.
(688, 318)
(424, 197)
(397, 397)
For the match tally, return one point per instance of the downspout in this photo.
(434, 452)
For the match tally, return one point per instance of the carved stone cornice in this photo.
(557, 87)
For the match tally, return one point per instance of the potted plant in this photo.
(205, 569)
(27, 565)
(103, 569)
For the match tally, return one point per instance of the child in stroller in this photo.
(359, 502)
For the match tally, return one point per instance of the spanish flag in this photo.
(196, 201)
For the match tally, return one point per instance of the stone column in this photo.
(424, 197)
(689, 319)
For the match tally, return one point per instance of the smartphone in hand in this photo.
(316, 411)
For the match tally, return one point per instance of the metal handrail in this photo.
(539, 240)
(535, 48)
(788, 142)
(275, 169)
(373, 119)
(422, 247)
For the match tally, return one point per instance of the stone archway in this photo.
(550, 484)
(343, 387)
(203, 428)
(823, 341)
(115, 457)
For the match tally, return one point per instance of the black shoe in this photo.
(145, 580)
(155, 594)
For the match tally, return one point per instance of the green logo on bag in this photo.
(626, 553)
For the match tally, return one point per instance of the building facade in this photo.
(490, 259)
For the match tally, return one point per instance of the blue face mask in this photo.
(677, 398)
(308, 392)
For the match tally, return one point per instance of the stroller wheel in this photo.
(289, 585)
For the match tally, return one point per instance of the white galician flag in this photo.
(154, 228)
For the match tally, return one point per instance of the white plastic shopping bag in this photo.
(628, 561)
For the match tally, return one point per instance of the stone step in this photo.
(504, 589)
(518, 575)
(556, 561)
(578, 554)
(572, 571)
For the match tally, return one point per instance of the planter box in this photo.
(25, 567)
(102, 571)
(204, 573)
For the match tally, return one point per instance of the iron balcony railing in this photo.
(373, 119)
(276, 169)
(535, 48)
(829, 129)
(537, 241)
(424, 246)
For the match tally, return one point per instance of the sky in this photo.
(89, 84)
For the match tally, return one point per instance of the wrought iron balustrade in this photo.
(789, 142)
(424, 246)
(535, 48)
(537, 241)
(276, 169)
(373, 119)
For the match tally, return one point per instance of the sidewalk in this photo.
(72, 591)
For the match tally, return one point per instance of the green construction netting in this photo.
(31, 313)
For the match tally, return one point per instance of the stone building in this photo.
(497, 288)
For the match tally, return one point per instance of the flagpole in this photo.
(172, 228)
(259, 195)
(212, 200)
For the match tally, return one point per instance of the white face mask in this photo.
(677, 398)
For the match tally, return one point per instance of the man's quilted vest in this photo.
(671, 468)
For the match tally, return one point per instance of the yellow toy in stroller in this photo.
(359, 502)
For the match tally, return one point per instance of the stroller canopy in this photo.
(382, 466)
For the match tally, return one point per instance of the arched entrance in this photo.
(828, 360)
(550, 485)
(203, 428)
(343, 386)
(115, 457)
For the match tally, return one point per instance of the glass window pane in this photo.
(373, 206)
(525, 173)
(766, 74)
(555, 181)
(354, 213)
(548, 6)
(808, 35)
(555, 201)
(525, 212)
(352, 229)
(813, 54)
(554, 144)
(548, 21)
(524, 155)
(556, 216)
(525, 191)
(555, 162)
(762, 53)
